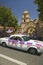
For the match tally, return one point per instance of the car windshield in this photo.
(25, 38)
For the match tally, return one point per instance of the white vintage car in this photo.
(23, 42)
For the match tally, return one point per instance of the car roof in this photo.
(20, 35)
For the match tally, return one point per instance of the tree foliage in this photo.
(6, 17)
(40, 8)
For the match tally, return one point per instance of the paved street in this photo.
(15, 57)
(6, 62)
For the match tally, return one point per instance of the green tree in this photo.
(40, 8)
(6, 17)
(13, 22)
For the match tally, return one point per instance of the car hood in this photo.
(37, 41)
(34, 42)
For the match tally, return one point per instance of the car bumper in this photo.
(40, 50)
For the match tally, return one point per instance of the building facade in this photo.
(33, 28)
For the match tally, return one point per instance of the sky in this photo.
(19, 6)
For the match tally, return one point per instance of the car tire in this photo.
(39, 54)
(32, 51)
(4, 44)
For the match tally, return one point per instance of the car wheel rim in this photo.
(32, 51)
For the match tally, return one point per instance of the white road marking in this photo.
(12, 60)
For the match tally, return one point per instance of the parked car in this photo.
(3, 33)
(23, 42)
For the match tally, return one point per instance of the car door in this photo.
(20, 42)
(12, 42)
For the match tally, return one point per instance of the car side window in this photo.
(18, 38)
(12, 38)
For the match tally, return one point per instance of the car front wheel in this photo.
(32, 51)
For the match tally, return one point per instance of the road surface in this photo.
(10, 56)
